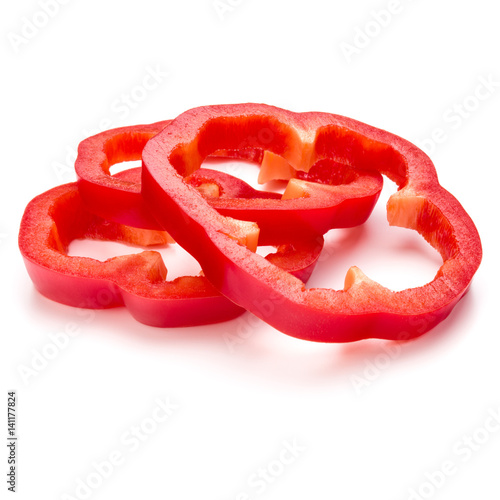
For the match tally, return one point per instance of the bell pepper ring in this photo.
(364, 308)
(325, 198)
(210, 183)
(118, 198)
(55, 218)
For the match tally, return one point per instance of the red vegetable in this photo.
(364, 309)
(329, 196)
(55, 218)
(118, 198)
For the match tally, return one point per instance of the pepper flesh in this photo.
(55, 218)
(118, 198)
(364, 308)
(326, 198)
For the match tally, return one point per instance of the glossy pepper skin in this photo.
(364, 308)
(55, 218)
(329, 196)
(118, 198)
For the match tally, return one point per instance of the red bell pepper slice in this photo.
(364, 308)
(55, 218)
(118, 198)
(323, 199)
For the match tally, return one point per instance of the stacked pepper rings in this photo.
(334, 167)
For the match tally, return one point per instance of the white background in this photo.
(368, 420)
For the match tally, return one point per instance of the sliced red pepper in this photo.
(55, 218)
(210, 183)
(323, 199)
(118, 198)
(364, 308)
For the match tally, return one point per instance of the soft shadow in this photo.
(263, 352)
(351, 358)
